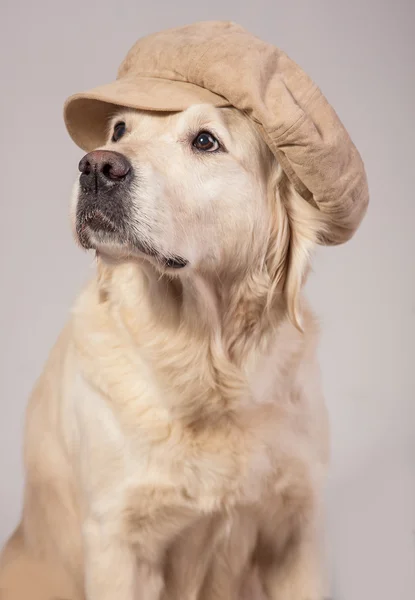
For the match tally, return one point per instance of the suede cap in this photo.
(223, 64)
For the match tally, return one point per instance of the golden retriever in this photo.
(176, 443)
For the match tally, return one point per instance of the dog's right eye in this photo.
(206, 142)
(119, 131)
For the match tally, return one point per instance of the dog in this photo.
(177, 443)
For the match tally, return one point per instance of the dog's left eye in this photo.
(206, 142)
(119, 131)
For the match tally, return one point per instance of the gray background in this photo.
(362, 55)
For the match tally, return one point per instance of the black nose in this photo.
(102, 169)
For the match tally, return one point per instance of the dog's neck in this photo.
(193, 325)
(230, 309)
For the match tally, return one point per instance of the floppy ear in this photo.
(297, 227)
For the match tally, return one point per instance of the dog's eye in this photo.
(206, 142)
(119, 131)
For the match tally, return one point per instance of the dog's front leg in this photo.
(295, 572)
(112, 571)
(129, 563)
(230, 565)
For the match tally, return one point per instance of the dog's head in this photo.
(195, 190)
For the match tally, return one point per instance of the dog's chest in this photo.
(225, 461)
(137, 442)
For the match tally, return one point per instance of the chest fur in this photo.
(161, 411)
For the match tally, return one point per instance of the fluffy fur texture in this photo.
(176, 443)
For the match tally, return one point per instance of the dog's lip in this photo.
(96, 219)
(173, 262)
(176, 263)
(169, 262)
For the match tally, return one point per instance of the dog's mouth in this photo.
(94, 225)
(99, 221)
(96, 231)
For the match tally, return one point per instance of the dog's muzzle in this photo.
(104, 199)
(103, 211)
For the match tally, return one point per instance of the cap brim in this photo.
(87, 114)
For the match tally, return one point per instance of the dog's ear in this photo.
(297, 227)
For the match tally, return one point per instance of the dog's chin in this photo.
(112, 248)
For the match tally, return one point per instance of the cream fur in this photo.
(176, 443)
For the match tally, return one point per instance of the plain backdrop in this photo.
(362, 54)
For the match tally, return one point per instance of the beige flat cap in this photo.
(222, 64)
